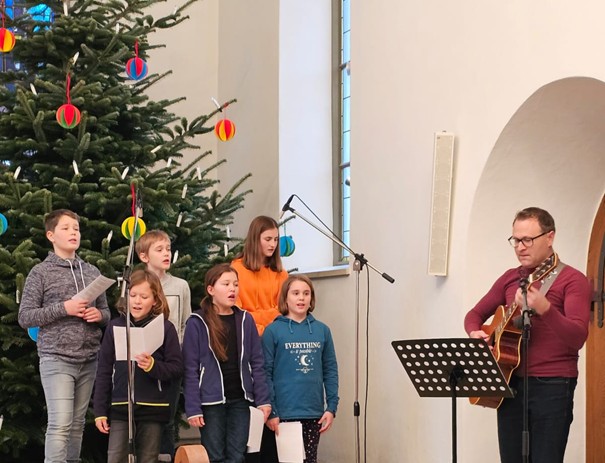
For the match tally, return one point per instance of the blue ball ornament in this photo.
(286, 246)
(3, 224)
(33, 333)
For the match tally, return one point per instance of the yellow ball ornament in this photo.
(128, 226)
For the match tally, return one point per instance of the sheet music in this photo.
(95, 289)
(290, 446)
(142, 339)
(255, 434)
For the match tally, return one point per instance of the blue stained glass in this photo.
(41, 12)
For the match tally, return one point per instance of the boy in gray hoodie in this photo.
(69, 334)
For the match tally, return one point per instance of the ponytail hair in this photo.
(218, 336)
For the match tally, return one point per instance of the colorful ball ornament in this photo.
(224, 129)
(136, 68)
(7, 40)
(32, 332)
(3, 224)
(128, 225)
(286, 246)
(68, 116)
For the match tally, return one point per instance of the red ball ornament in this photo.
(136, 68)
(68, 116)
(224, 129)
(7, 40)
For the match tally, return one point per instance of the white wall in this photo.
(419, 67)
(191, 54)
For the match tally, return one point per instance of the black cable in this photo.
(365, 414)
(320, 221)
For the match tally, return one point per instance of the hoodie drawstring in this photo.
(74, 275)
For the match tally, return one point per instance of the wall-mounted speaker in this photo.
(443, 168)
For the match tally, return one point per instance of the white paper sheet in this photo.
(255, 434)
(290, 447)
(95, 289)
(146, 339)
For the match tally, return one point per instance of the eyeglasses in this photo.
(527, 242)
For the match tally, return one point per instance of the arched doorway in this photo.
(595, 346)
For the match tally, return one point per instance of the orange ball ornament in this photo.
(7, 40)
(224, 129)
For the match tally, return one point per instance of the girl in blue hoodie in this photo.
(301, 367)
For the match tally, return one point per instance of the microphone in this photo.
(518, 321)
(286, 207)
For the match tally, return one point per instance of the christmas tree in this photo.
(77, 54)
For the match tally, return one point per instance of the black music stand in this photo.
(452, 368)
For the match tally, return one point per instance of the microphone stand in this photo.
(125, 302)
(360, 261)
(526, 314)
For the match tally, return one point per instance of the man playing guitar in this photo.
(559, 329)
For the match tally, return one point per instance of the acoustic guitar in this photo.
(505, 337)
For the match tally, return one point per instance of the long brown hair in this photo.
(161, 304)
(218, 337)
(252, 256)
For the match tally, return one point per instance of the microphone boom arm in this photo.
(359, 257)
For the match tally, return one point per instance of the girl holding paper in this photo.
(224, 369)
(152, 376)
(301, 367)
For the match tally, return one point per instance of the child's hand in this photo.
(266, 409)
(102, 425)
(92, 315)
(326, 421)
(273, 425)
(144, 361)
(75, 307)
(197, 421)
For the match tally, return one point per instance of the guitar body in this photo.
(507, 348)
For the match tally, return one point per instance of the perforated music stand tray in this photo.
(452, 368)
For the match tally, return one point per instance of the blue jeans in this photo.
(225, 432)
(550, 416)
(67, 389)
(147, 435)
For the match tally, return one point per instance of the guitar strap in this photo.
(551, 277)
